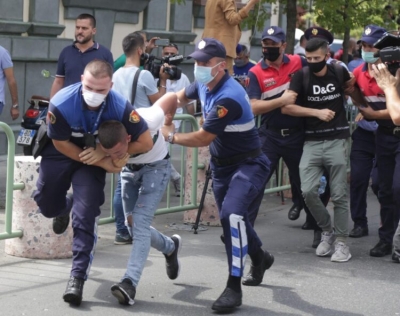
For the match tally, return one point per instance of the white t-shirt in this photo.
(123, 80)
(154, 117)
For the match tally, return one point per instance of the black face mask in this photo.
(271, 53)
(317, 67)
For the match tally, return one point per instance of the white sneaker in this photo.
(342, 252)
(325, 246)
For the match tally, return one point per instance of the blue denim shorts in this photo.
(1, 107)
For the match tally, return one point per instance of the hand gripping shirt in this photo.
(227, 113)
(69, 117)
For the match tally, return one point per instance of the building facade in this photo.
(35, 32)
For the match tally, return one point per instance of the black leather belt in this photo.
(283, 131)
(390, 130)
(236, 159)
(138, 166)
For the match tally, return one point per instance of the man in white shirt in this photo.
(144, 180)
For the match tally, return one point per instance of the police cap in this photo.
(319, 32)
(208, 48)
(372, 33)
(274, 33)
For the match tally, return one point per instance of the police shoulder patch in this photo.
(134, 117)
(221, 111)
(51, 118)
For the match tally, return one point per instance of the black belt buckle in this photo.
(396, 131)
(135, 167)
(285, 132)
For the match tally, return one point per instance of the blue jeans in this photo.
(119, 211)
(142, 191)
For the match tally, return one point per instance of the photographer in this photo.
(389, 84)
(146, 95)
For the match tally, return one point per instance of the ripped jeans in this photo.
(142, 191)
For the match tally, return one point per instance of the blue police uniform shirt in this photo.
(67, 111)
(268, 83)
(72, 62)
(227, 112)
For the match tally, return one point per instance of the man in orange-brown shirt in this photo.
(222, 22)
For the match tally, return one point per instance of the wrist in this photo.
(170, 138)
(15, 106)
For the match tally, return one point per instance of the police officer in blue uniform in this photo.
(72, 157)
(239, 168)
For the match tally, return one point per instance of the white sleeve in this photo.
(154, 117)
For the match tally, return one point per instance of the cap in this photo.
(239, 49)
(319, 32)
(274, 33)
(208, 48)
(372, 33)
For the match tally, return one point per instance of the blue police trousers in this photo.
(56, 174)
(238, 191)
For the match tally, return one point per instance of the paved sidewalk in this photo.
(299, 283)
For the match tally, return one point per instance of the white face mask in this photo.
(93, 99)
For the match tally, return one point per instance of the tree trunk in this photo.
(346, 39)
(291, 13)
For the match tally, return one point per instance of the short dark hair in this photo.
(172, 45)
(111, 133)
(99, 68)
(87, 16)
(131, 42)
(316, 43)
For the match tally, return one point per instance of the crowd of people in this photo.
(115, 117)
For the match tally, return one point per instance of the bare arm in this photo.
(301, 111)
(199, 138)
(265, 106)
(233, 16)
(168, 103)
(58, 83)
(12, 85)
(72, 151)
(142, 145)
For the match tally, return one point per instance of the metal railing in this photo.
(274, 185)
(10, 185)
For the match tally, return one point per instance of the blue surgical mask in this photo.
(203, 74)
(368, 57)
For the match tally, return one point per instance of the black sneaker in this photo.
(73, 293)
(171, 261)
(228, 301)
(60, 223)
(124, 292)
(122, 239)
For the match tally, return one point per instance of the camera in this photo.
(153, 64)
(389, 51)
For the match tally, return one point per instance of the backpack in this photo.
(337, 69)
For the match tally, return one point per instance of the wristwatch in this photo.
(15, 106)
(170, 138)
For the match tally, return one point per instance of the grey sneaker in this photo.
(122, 239)
(325, 246)
(177, 186)
(342, 252)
